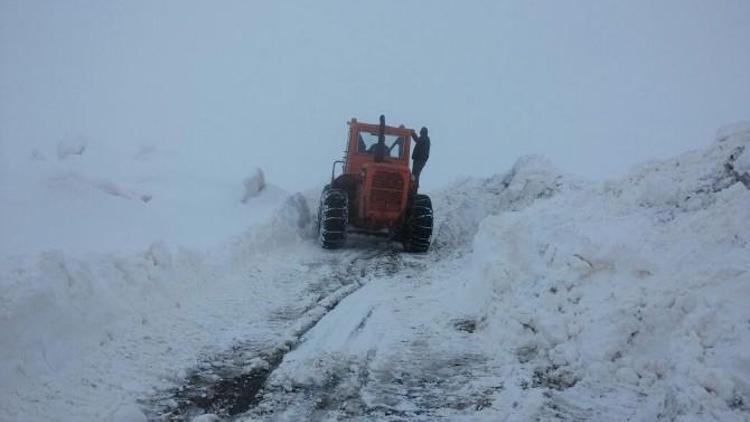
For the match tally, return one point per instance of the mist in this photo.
(594, 86)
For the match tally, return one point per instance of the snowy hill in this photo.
(82, 196)
(628, 298)
(543, 297)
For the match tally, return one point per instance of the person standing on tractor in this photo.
(421, 153)
(380, 149)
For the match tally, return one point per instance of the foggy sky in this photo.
(596, 86)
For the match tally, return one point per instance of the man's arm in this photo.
(414, 136)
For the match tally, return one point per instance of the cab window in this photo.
(394, 144)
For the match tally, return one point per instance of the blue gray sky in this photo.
(596, 86)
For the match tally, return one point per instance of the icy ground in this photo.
(544, 297)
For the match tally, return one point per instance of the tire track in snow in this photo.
(232, 381)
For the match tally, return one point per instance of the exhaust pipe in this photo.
(381, 148)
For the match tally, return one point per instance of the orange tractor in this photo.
(375, 193)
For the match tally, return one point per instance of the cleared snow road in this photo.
(392, 350)
(229, 383)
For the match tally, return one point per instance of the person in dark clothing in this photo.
(421, 152)
(380, 149)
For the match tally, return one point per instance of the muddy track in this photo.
(230, 383)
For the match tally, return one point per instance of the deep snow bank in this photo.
(90, 197)
(119, 268)
(460, 208)
(631, 291)
(90, 334)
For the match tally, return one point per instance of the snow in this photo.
(254, 185)
(573, 300)
(659, 311)
(107, 260)
(544, 295)
(733, 130)
(128, 413)
(206, 418)
(71, 146)
(90, 335)
(742, 164)
(97, 198)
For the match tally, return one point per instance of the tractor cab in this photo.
(364, 147)
(374, 192)
(367, 143)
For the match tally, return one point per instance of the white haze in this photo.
(595, 86)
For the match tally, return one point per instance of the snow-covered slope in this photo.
(544, 296)
(550, 298)
(87, 335)
(85, 197)
(629, 297)
(118, 268)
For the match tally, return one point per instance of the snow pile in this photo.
(71, 146)
(742, 164)
(128, 413)
(254, 185)
(92, 334)
(135, 198)
(462, 206)
(627, 299)
(55, 306)
(119, 268)
(732, 131)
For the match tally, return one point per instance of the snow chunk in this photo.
(256, 364)
(37, 155)
(734, 130)
(145, 152)
(466, 203)
(296, 213)
(129, 413)
(254, 185)
(639, 280)
(159, 255)
(532, 177)
(72, 146)
(208, 417)
(75, 182)
(742, 163)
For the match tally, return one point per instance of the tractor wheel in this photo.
(332, 218)
(418, 226)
